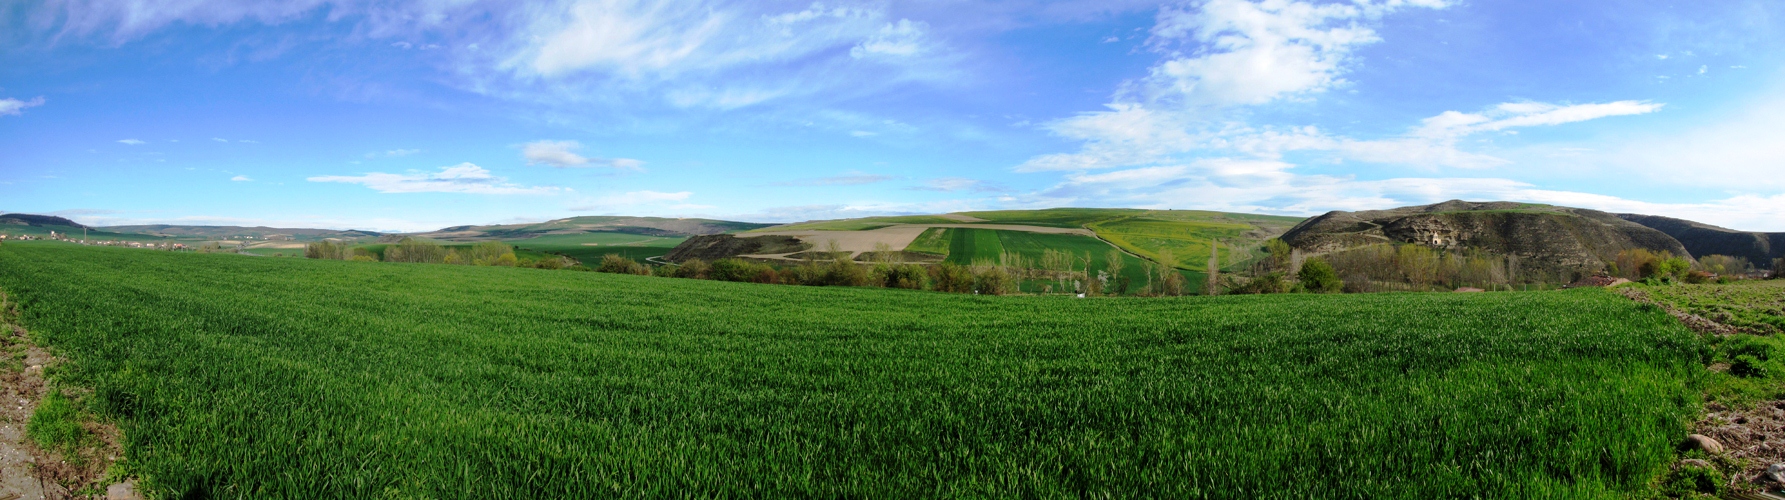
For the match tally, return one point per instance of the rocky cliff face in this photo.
(1705, 239)
(1555, 238)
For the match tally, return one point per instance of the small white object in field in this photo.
(1081, 295)
(1776, 472)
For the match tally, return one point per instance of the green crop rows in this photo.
(237, 377)
(588, 248)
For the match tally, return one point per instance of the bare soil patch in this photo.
(28, 471)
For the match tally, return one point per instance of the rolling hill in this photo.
(1555, 239)
(232, 232)
(1704, 239)
(644, 226)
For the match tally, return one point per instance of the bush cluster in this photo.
(984, 279)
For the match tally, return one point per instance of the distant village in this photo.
(55, 236)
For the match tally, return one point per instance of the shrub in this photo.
(491, 253)
(952, 278)
(1319, 277)
(325, 250)
(842, 272)
(553, 262)
(414, 250)
(618, 264)
(906, 276)
(1268, 283)
(693, 269)
(807, 273)
(736, 270)
(994, 280)
(666, 271)
(1724, 264)
(1359, 283)
(1698, 277)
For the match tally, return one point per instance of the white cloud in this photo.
(11, 106)
(219, 139)
(1526, 114)
(953, 184)
(131, 142)
(641, 39)
(394, 153)
(635, 201)
(849, 179)
(241, 178)
(562, 154)
(461, 178)
(1257, 52)
(1127, 134)
(901, 39)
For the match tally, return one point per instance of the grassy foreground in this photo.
(238, 377)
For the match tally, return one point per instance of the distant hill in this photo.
(261, 232)
(1180, 236)
(1705, 239)
(38, 220)
(1554, 238)
(646, 226)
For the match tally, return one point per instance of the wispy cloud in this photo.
(394, 153)
(131, 142)
(241, 178)
(219, 139)
(563, 154)
(11, 106)
(953, 184)
(461, 178)
(640, 200)
(848, 179)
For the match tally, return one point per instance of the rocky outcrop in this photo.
(719, 246)
(1704, 239)
(1556, 238)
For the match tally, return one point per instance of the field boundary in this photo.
(84, 466)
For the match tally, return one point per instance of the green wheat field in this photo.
(243, 377)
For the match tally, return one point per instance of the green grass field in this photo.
(934, 241)
(1755, 307)
(241, 377)
(589, 248)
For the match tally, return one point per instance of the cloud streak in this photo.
(15, 107)
(462, 178)
(562, 154)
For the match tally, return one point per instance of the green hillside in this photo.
(282, 378)
(590, 247)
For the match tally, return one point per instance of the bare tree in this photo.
(1213, 286)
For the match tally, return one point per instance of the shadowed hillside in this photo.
(1551, 238)
(1704, 239)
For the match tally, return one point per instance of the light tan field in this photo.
(897, 237)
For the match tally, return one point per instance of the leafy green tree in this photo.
(1320, 277)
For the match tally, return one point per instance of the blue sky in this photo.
(422, 114)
